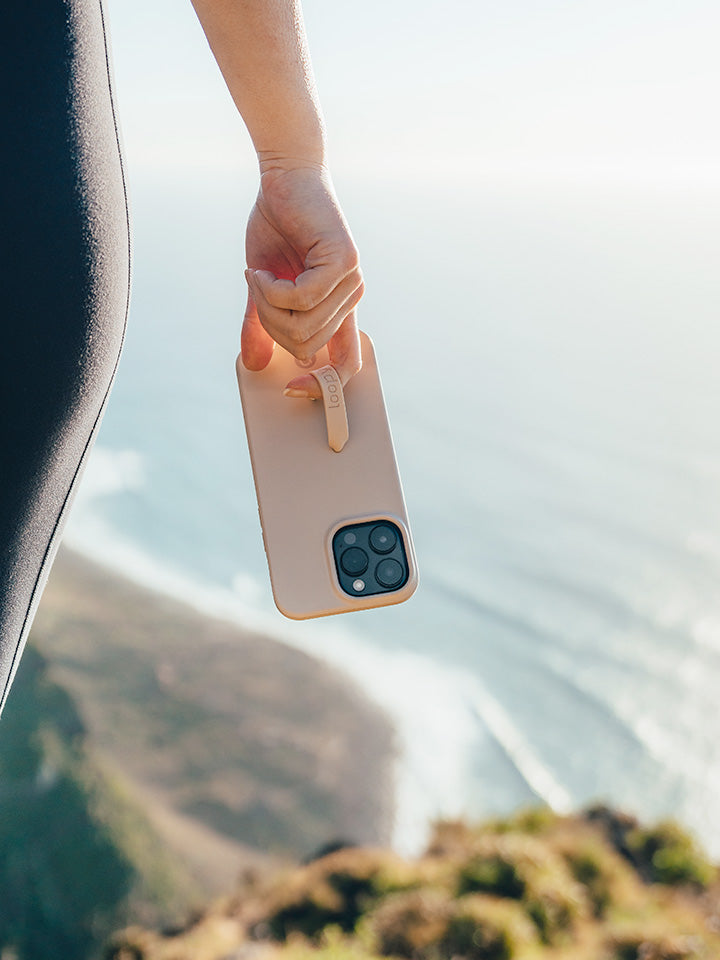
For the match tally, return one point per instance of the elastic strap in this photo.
(334, 403)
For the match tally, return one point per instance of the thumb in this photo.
(345, 355)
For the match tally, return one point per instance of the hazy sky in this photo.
(450, 87)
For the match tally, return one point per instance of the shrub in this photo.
(450, 838)
(334, 891)
(606, 877)
(526, 869)
(589, 870)
(408, 924)
(425, 925)
(482, 928)
(661, 854)
(309, 911)
(456, 837)
(493, 871)
(530, 820)
(637, 946)
(554, 903)
(332, 945)
(667, 854)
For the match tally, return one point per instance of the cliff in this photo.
(150, 755)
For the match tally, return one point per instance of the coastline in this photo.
(239, 747)
(431, 704)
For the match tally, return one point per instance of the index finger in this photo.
(256, 345)
(309, 289)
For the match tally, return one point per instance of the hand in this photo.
(304, 278)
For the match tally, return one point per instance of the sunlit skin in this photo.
(304, 278)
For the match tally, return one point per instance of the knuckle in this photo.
(350, 257)
(275, 299)
(303, 300)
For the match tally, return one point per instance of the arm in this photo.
(303, 273)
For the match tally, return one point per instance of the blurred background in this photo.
(535, 191)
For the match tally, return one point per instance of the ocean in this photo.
(549, 352)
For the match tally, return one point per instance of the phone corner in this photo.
(290, 614)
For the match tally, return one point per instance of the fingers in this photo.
(345, 355)
(309, 289)
(256, 346)
(303, 332)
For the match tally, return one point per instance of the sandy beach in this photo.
(238, 748)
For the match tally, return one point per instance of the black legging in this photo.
(64, 269)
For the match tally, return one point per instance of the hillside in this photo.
(150, 755)
(219, 731)
(596, 886)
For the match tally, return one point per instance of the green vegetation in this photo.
(428, 924)
(668, 855)
(76, 856)
(531, 887)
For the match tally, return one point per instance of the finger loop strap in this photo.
(334, 403)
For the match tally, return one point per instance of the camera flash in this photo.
(358, 585)
(349, 538)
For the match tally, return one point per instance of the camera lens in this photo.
(382, 539)
(354, 561)
(389, 573)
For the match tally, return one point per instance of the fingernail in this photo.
(293, 392)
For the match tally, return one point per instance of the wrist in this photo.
(306, 149)
(297, 139)
(281, 162)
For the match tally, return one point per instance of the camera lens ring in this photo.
(389, 573)
(354, 561)
(383, 538)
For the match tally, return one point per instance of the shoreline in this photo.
(252, 746)
(433, 761)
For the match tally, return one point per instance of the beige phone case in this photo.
(307, 491)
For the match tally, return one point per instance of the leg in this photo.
(64, 278)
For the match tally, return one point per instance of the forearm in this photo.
(261, 49)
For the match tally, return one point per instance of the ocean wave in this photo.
(542, 782)
(558, 667)
(543, 638)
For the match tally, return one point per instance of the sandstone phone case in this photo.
(331, 504)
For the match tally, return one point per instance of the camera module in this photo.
(370, 558)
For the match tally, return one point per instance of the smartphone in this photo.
(334, 522)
